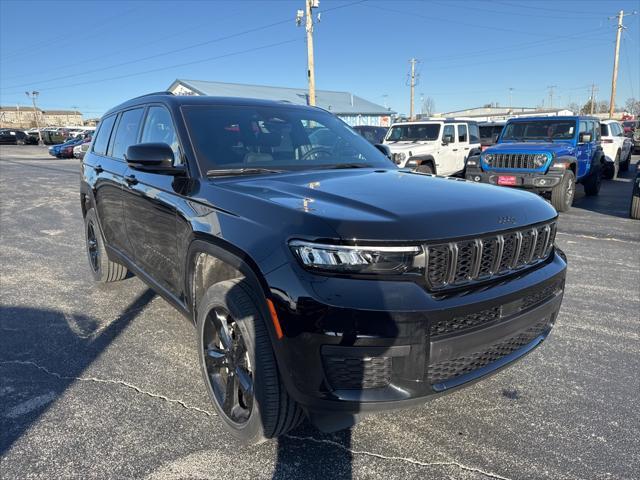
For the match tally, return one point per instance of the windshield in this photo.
(425, 132)
(275, 138)
(537, 130)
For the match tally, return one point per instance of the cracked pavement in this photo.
(103, 381)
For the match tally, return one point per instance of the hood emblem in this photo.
(506, 220)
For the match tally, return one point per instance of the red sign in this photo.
(509, 180)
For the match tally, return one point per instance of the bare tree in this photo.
(428, 106)
(574, 107)
(632, 106)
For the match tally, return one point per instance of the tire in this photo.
(624, 166)
(634, 209)
(103, 269)
(592, 184)
(20, 142)
(610, 170)
(262, 407)
(562, 194)
(425, 168)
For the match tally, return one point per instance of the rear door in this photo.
(463, 145)
(105, 174)
(150, 211)
(447, 158)
(583, 149)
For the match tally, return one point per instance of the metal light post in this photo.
(33, 95)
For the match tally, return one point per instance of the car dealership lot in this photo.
(102, 381)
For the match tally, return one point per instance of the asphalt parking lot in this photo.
(100, 382)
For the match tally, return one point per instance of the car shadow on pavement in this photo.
(41, 356)
(614, 197)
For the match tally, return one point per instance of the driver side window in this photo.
(449, 131)
(158, 128)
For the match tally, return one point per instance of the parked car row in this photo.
(9, 136)
(67, 149)
(50, 135)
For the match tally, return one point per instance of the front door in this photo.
(150, 215)
(446, 159)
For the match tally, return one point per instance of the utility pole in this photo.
(510, 98)
(594, 89)
(33, 95)
(412, 85)
(309, 5)
(614, 79)
(551, 87)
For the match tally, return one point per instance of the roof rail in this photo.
(165, 92)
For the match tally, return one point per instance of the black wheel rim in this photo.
(92, 247)
(227, 364)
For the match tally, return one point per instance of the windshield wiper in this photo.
(228, 172)
(348, 165)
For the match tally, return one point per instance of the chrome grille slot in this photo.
(513, 160)
(454, 264)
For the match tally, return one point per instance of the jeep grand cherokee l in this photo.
(322, 281)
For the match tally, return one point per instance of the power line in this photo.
(555, 10)
(202, 60)
(503, 12)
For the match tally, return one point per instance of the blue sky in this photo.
(95, 54)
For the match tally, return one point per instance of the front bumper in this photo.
(355, 346)
(529, 180)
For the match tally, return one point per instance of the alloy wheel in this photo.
(228, 366)
(569, 193)
(92, 247)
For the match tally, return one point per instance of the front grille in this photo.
(459, 263)
(449, 369)
(462, 323)
(512, 160)
(345, 373)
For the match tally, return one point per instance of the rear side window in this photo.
(102, 137)
(462, 133)
(474, 134)
(126, 132)
(604, 129)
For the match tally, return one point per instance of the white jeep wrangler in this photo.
(433, 146)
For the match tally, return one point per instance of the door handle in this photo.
(455, 149)
(98, 168)
(130, 179)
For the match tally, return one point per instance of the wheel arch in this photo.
(211, 260)
(424, 160)
(572, 163)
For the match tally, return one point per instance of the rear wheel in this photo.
(634, 210)
(563, 193)
(611, 169)
(103, 269)
(425, 168)
(592, 184)
(239, 365)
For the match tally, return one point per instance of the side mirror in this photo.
(384, 149)
(447, 139)
(584, 137)
(152, 157)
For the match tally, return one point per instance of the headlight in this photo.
(399, 157)
(488, 158)
(539, 159)
(359, 259)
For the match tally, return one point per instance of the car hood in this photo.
(557, 148)
(385, 204)
(408, 146)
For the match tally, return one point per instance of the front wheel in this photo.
(239, 365)
(611, 169)
(425, 168)
(624, 165)
(563, 193)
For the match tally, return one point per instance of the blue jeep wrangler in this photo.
(547, 155)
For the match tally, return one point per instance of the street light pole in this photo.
(33, 95)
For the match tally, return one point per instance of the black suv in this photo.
(323, 281)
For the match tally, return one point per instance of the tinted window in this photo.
(127, 132)
(474, 134)
(449, 131)
(284, 138)
(102, 138)
(462, 133)
(540, 130)
(158, 128)
(604, 129)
